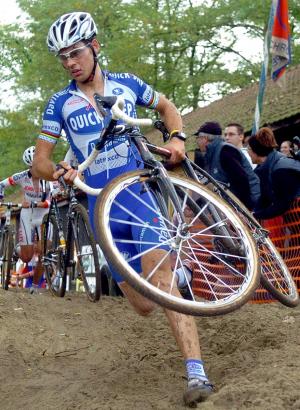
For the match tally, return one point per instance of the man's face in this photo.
(78, 60)
(233, 137)
(202, 143)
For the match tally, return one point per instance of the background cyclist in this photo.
(35, 205)
(73, 39)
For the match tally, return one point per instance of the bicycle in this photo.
(72, 249)
(7, 244)
(184, 221)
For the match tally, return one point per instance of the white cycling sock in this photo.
(184, 276)
(195, 369)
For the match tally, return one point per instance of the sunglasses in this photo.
(76, 53)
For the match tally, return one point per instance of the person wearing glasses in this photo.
(72, 37)
(234, 134)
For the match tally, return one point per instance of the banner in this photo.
(264, 68)
(280, 41)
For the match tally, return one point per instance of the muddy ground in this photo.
(73, 354)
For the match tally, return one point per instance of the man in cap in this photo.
(226, 163)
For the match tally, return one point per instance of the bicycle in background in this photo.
(8, 257)
(70, 249)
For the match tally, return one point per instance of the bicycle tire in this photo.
(53, 256)
(7, 247)
(2, 258)
(87, 254)
(226, 295)
(275, 275)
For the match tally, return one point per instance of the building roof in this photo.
(279, 103)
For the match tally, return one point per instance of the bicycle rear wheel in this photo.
(223, 279)
(53, 256)
(6, 252)
(275, 275)
(87, 253)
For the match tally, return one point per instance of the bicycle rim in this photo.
(53, 256)
(275, 275)
(87, 254)
(222, 280)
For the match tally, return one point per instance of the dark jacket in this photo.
(280, 185)
(228, 164)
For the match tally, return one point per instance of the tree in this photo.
(178, 46)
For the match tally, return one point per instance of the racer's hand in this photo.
(176, 147)
(66, 171)
(26, 204)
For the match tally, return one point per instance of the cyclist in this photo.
(73, 39)
(35, 205)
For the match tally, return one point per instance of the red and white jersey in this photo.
(39, 191)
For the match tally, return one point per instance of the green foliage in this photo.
(178, 46)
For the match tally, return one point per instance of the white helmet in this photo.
(69, 29)
(28, 155)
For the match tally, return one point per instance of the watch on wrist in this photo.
(180, 135)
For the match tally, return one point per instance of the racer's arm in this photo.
(43, 166)
(172, 120)
(7, 182)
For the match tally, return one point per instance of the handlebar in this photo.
(119, 114)
(10, 205)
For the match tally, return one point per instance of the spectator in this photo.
(227, 164)
(296, 147)
(287, 149)
(234, 134)
(279, 175)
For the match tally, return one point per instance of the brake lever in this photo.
(160, 126)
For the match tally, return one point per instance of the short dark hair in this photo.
(238, 126)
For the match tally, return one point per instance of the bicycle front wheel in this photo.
(53, 256)
(87, 253)
(211, 240)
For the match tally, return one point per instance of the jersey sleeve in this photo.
(15, 179)
(52, 121)
(146, 95)
(7, 182)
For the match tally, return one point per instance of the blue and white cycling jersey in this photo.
(70, 110)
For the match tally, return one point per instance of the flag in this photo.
(280, 41)
(264, 68)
